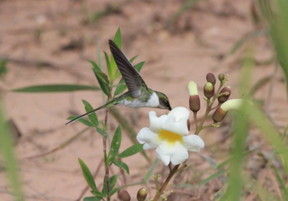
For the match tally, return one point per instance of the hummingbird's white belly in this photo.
(152, 102)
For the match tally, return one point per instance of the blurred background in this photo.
(50, 42)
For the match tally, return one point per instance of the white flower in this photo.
(170, 136)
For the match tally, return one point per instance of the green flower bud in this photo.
(224, 94)
(209, 90)
(142, 194)
(221, 77)
(123, 195)
(210, 77)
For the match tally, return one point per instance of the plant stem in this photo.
(106, 158)
(164, 185)
(208, 108)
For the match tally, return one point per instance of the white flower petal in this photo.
(180, 154)
(176, 153)
(179, 127)
(160, 153)
(156, 122)
(193, 142)
(179, 113)
(148, 138)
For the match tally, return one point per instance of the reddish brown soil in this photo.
(198, 42)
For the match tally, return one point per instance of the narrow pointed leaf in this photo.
(95, 66)
(150, 172)
(110, 72)
(112, 182)
(92, 199)
(83, 121)
(115, 144)
(102, 82)
(133, 58)
(131, 150)
(118, 38)
(93, 117)
(121, 165)
(115, 190)
(102, 132)
(52, 88)
(88, 176)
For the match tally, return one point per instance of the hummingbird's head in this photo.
(163, 101)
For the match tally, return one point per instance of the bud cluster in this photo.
(221, 95)
(123, 195)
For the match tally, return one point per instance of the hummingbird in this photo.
(138, 94)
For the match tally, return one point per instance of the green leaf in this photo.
(104, 84)
(112, 182)
(102, 132)
(121, 85)
(87, 175)
(95, 66)
(282, 184)
(115, 144)
(110, 72)
(121, 165)
(92, 199)
(131, 150)
(118, 38)
(115, 190)
(93, 117)
(9, 161)
(83, 121)
(150, 172)
(3, 67)
(133, 58)
(55, 88)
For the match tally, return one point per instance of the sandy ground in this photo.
(198, 42)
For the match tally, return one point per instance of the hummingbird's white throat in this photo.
(152, 102)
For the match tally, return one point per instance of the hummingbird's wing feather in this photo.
(132, 78)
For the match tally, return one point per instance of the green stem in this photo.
(105, 155)
(171, 174)
(208, 109)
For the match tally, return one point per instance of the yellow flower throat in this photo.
(170, 137)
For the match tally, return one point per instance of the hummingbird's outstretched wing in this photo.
(132, 78)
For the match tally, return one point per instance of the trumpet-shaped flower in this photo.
(170, 136)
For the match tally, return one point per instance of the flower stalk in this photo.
(166, 182)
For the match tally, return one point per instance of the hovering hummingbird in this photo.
(138, 94)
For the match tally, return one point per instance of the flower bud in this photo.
(142, 194)
(224, 94)
(219, 115)
(209, 90)
(194, 100)
(123, 195)
(233, 104)
(210, 77)
(221, 77)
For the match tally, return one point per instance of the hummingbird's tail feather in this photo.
(88, 113)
